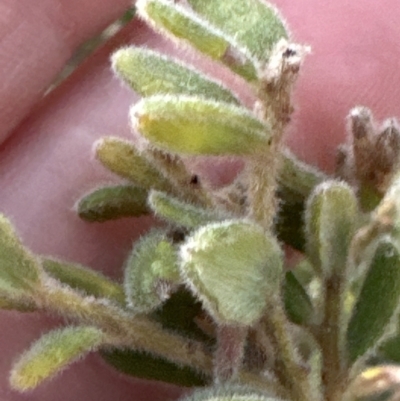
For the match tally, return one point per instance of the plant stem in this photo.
(274, 107)
(127, 330)
(330, 338)
(229, 354)
(136, 331)
(289, 369)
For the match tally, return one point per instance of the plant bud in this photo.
(151, 272)
(330, 224)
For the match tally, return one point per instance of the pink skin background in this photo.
(45, 155)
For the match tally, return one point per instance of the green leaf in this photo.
(330, 220)
(84, 279)
(123, 158)
(150, 367)
(255, 25)
(298, 305)
(191, 125)
(113, 202)
(297, 176)
(151, 272)
(19, 269)
(182, 24)
(233, 260)
(150, 73)
(178, 212)
(377, 301)
(53, 352)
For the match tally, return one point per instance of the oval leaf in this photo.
(255, 25)
(377, 302)
(233, 260)
(191, 125)
(150, 73)
(123, 158)
(330, 224)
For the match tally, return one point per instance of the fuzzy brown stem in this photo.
(230, 350)
(331, 339)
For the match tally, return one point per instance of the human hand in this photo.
(46, 166)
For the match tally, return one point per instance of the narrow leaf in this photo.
(178, 212)
(297, 302)
(51, 353)
(151, 272)
(113, 202)
(19, 270)
(255, 25)
(84, 279)
(123, 158)
(191, 125)
(377, 301)
(297, 176)
(145, 366)
(330, 223)
(233, 260)
(182, 24)
(150, 73)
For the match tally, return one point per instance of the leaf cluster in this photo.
(207, 298)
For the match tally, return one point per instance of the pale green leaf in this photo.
(191, 125)
(234, 268)
(52, 353)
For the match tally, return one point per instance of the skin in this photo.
(46, 160)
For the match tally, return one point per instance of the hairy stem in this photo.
(331, 339)
(136, 331)
(288, 365)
